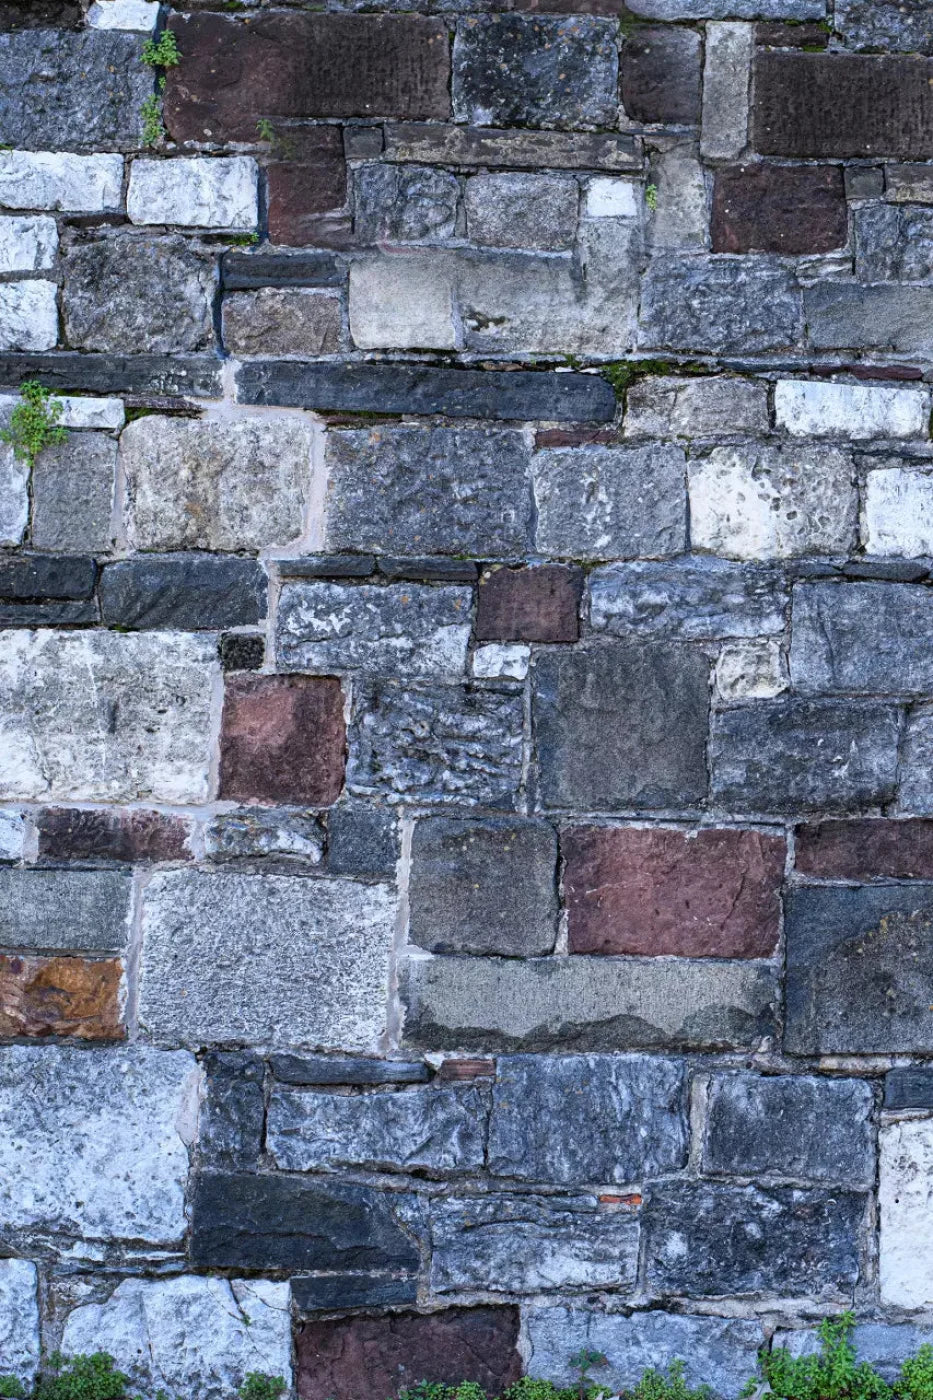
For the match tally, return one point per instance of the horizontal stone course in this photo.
(187, 592)
(859, 850)
(688, 599)
(491, 147)
(90, 835)
(71, 909)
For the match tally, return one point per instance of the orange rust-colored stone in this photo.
(467, 1069)
(62, 996)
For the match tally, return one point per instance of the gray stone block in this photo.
(852, 316)
(915, 790)
(72, 494)
(893, 244)
(84, 910)
(184, 592)
(483, 886)
(610, 502)
(282, 321)
(338, 1292)
(19, 1320)
(404, 204)
(172, 375)
(522, 211)
(72, 92)
(664, 406)
(32, 576)
(880, 25)
(347, 1069)
(908, 1088)
(232, 1117)
(861, 639)
(719, 305)
(516, 149)
(362, 841)
(281, 838)
(688, 599)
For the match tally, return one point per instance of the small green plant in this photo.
(669, 1385)
(160, 54)
(243, 240)
(832, 1374)
(651, 197)
(915, 1381)
(583, 1362)
(266, 129)
(33, 423)
(82, 1378)
(151, 113)
(12, 1388)
(260, 1386)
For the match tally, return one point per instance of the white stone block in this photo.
(751, 669)
(195, 192)
(607, 198)
(850, 411)
(19, 1320)
(28, 316)
(400, 302)
(60, 180)
(140, 16)
(726, 79)
(27, 243)
(14, 497)
(12, 833)
(897, 512)
(501, 662)
(103, 414)
(681, 216)
(906, 1204)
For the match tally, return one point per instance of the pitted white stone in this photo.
(897, 512)
(12, 834)
(905, 1198)
(500, 661)
(195, 192)
(14, 492)
(19, 1320)
(106, 414)
(751, 669)
(60, 180)
(850, 411)
(27, 243)
(28, 316)
(608, 198)
(139, 16)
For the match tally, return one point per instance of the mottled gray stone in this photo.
(708, 1240)
(729, 9)
(215, 194)
(233, 1111)
(435, 1128)
(915, 794)
(850, 315)
(515, 149)
(110, 303)
(278, 836)
(404, 204)
(719, 305)
(435, 744)
(362, 840)
(531, 70)
(72, 372)
(282, 321)
(721, 1352)
(861, 639)
(184, 592)
(267, 959)
(908, 1088)
(93, 100)
(19, 1320)
(885, 25)
(583, 1003)
(577, 1118)
(410, 630)
(531, 1244)
(688, 599)
(904, 184)
(804, 755)
(84, 910)
(72, 494)
(483, 886)
(793, 1126)
(664, 406)
(884, 1345)
(434, 491)
(522, 210)
(338, 1292)
(95, 1141)
(14, 494)
(351, 1070)
(610, 502)
(622, 725)
(727, 73)
(12, 835)
(681, 217)
(892, 243)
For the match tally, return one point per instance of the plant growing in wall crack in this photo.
(34, 423)
(157, 54)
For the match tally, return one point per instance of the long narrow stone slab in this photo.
(197, 375)
(489, 147)
(242, 272)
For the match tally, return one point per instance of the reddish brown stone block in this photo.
(370, 1358)
(467, 1069)
(60, 996)
(68, 833)
(575, 437)
(660, 75)
(538, 604)
(302, 65)
(866, 849)
(712, 894)
(772, 34)
(779, 209)
(307, 178)
(283, 739)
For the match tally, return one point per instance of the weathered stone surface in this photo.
(858, 850)
(19, 1319)
(779, 209)
(194, 192)
(362, 841)
(91, 835)
(404, 204)
(265, 959)
(244, 272)
(688, 599)
(483, 886)
(621, 726)
(906, 1255)
(72, 493)
(898, 512)
(27, 244)
(188, 1335)
(197, 375)
(534, 70)
(691, 894)
(607, 197)
(347, 1069)
(108, 297)
(243, 1220)
(719, 306)
(882, 24)
(28, 316)
(280, 838)
(756, 501)
(808, 409)
(102, 716)
(664, 406)
(793, 1126)
(529, 605)
(403, 301)
(522, 211)
(804, 755)
(307, 179)
(40, 14)
(517, 149)
(232, 1116)
(14, 495)
(680, 218)
(282, 321)
(140, 16)
(338, 1292)
(908, 184)
(93, 101)
(586, 1003)
(185, 592)
(30, 576)
(241, 651)
(705, 1240)
(907, 1089)
(367, 1358)
(716, 1351)
(517, 1244)
(893, 244)
(660, 75)
(605, 502)
(859, 971)
(883, 1345)
(434, 1129)
(12, 835)
(844, 315)
(93, 1146)
(61, 996)
(215, 485)
(916, 790)
(435, 744)
(861, 638)
(267, 753)
(727, 71)
(501, 661)
(56, 180)
(435, 491)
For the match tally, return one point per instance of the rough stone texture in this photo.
(881, 24)
(893, 244)
(883, 1345)
(858, 850)
(908, 1088)
(195, 193)
(522, 211)
(241, 651)
(215, 485)
(529, 605)
(72, 493)
(859, 977)
(40, 14)
(621, 726)
(265, 753)
(897, 515)
(779, 209)
(27, 244)
(94, 101)
(94, 1145)
(72, 909)
(517, 149)
(906, 1255)
(915, 792)
(60, 996)
(600, 502)
(56, 180)
(184, 591)
(108, 303)
(846, 315)
(24, 576)
(862, 638)
(404, 204)
(727, 69)
(282, 321)
(306, 178)
(698, 303)
(12, 835)
(235, 957)
(663, 405)
(660, 75)
(136, 15)
(680, 219)
(14, 496)
(483, 886)
(232, 1112)
(850, 410)
(28, 316)
(333, 1292)
(281, 839)
(687, 599)
(91, 835)
(362, 841)
(691, 894)
(19, 1319)
(401, 301)
(147, 375)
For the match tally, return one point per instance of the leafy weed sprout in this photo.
(34, 423)
(160, 54)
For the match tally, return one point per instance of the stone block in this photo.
(844, 315)
(607, 502)
(680, 218)
(12, 835)
(426, 1129)
(196, 193)
(347, 1070)
(609, 198)
(93, 835)
(915, 794)
(281, 839)
(170, 375)
(660, 75)
(108, 299)
(339, 1292)
(265, 753)
(727, 72)
(185, 592)
(905, 184)
(28, 316)
(535, 70)
(71, 909)
(404, 204)
(719, 306)
(94, 1146)
(868, 24)
(232, 1117)
(522, 211)
(779, 209)
(19, 1320)
(72, 494)
(501, 661)
(867, 849)
(665, 406)
(239, 651)
(433, 743)
(621, 726)
(584, 1003)
(687, 599)
(41, 14)
(804, 755)
(244, 272)
(33, 576)
(793, 1126)
(885, 1346)
(104, 716)
(904, 1197)
(854, 411)
(139, 16)
(282, 321)
(893, 244)
(521, 1244)
(74, 997)
(265, 959)
(108, 414)
(859, 979)
(906, 1089)
(516, 149)
(306, 178)
(188, 1335)
(690, 894)
(539, 604)
(14, 497)
(402, 301)
(57, 180)
(27, 244)
(897, 515)
(93, 100)
(757, 501)
(861, 639)
(428, 491)
(483, 886)
(362, 841)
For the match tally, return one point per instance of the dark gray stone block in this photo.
(27, 577)
(187, 592)
(908, 1088)
(893, 244)
(69, 372)
(49, 614)
(232, 1111)
(61, 91)
(337, 1292)
(720, 306)
(862, 639)
(688, 599)
(242, 651)
(326, 1069)
(404, 203)
(80, 910)
(328, 566)
(428, 570)
(243, 272)
(362, 841)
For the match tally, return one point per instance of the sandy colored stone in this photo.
(61, 996)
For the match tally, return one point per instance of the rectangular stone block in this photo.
(489, 148)
(660, 75)
(539, 604)
(906, 1089)
(727, 71)
(14, 496)
(362, 840)
(34, 576)
(610, 502)
(866, 24)
(73, 997)
(665, 406)
(897, 514)
(893, 244)
(184, 592)
(590, 1003)
(27, 244)
(283, 321)
(73, 909)
(347, 1069)
(243, 272)
(861, 638)
(12, 835)
(908, 184)
(105, 716)
(283, 841)
(306, 178)
(172, 375)
(93, 835)
(403, 301)
(850, 410)
(28, 316)
(845, 315)
(19, 1319)
(687, 599)
(72, 494)
(267, 752)
(265, 959)
(232, 1114)
(859, 970)
(337, 1292)
(859, 850)
(905, 1197)
(719, 306)
(522, 211)
(779, 209)
(222, 192)
(139, 16)
(57, 180)
(71, 91)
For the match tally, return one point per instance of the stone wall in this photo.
(466, 778)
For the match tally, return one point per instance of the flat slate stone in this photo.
(328, 1069)
(187, 592)
(232, 1117)
(363, 841)
(489, 147)
(64, 371)
(243, 272)
(861, 639)
(86, 910)
(93, 100)
(688, 599)
(339, 1292)
(32, 576)
(908, 1088)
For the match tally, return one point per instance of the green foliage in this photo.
(162, 53)
(584, 1361)
(12, 1388)
(82, 1378)
(243, 240)
(33, 423)
(151, 113)
(832, 1374)
(260, 1386)
(651, 197)
(658, 1385)
(266, 129)
(915, 1381)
